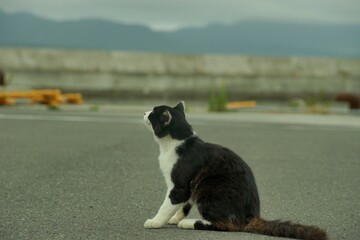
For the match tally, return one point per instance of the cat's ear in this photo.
(165, 118)
(180, 107)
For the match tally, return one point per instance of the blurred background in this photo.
(281, 77)
(219, 54)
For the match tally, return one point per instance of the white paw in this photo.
(151, 223)
(174, 220)
(187, 223)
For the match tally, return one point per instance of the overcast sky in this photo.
(172, 14)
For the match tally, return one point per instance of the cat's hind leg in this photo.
(201, 224)
(180, 214)
(197, 224)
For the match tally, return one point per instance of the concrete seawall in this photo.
(149, 75)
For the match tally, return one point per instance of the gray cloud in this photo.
(168, 14)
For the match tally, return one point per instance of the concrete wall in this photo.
(130, 74)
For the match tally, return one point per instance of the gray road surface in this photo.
(68, 175)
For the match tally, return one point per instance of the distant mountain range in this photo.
(266, 38)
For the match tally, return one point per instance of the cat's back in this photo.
(213, 157)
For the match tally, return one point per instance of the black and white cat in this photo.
(211, 177)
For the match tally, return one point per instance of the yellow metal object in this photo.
(242, 104)
(6, 100)
(73, 98)
(51, 97)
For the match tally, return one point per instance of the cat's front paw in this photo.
(151, 223)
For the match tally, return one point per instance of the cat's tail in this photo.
(285, 229)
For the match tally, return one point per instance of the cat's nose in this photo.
(144, 113)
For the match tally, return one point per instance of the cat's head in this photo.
(166, 121)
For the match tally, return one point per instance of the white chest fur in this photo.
(168, 157)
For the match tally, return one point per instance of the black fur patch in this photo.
(186, 209)
(179, 195)
(200, 226)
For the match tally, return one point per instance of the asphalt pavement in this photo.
(81, 175)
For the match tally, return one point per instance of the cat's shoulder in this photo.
(190, 144)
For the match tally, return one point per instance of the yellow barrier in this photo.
(6, 100)
(242, 104)
(73, 98)
(52, 97)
